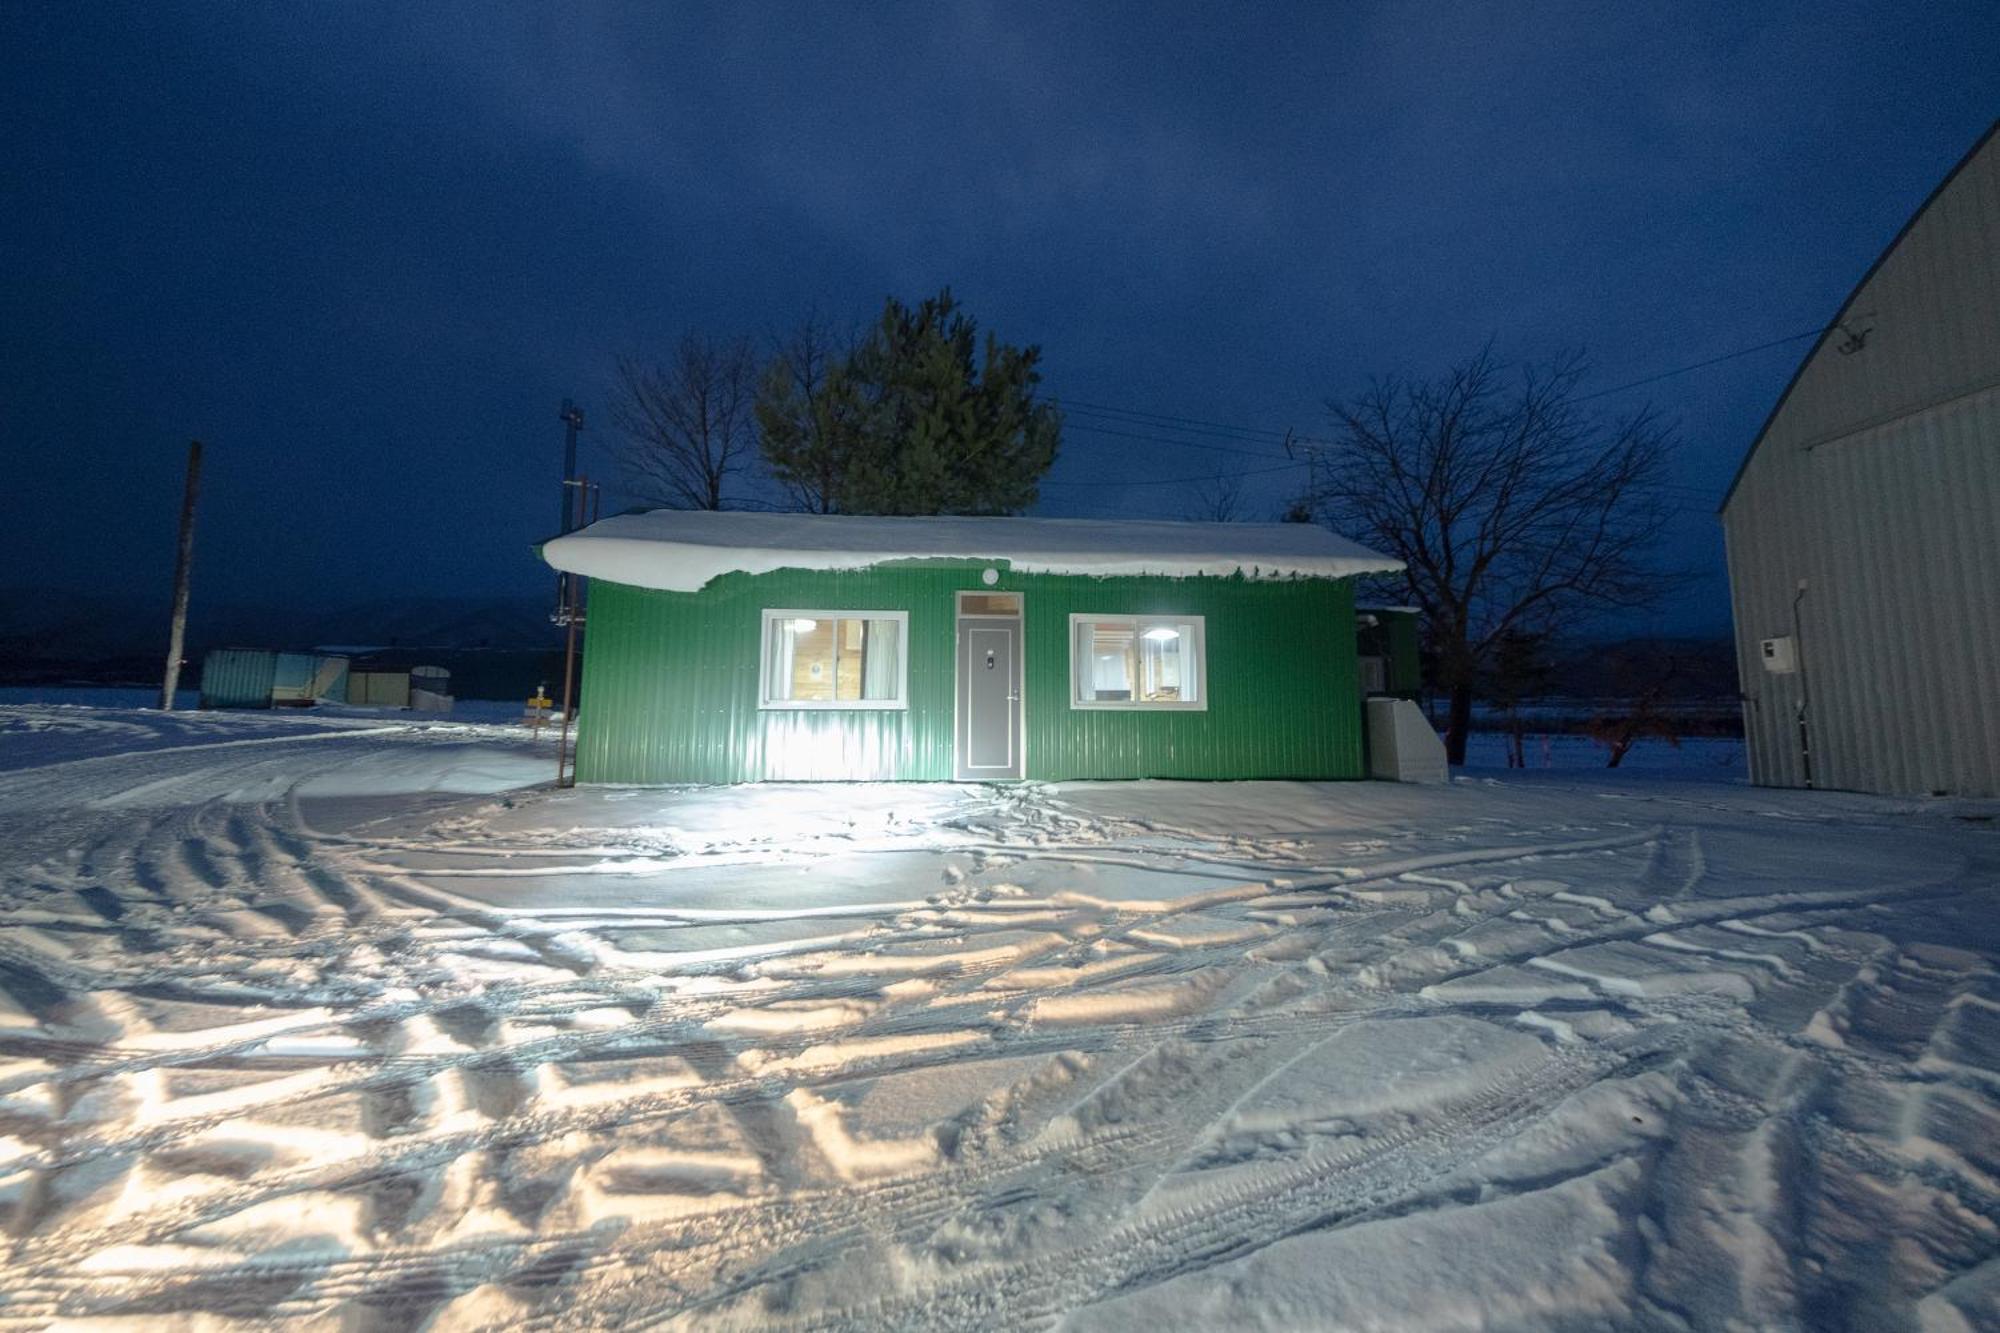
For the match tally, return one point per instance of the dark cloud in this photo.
(364, 250)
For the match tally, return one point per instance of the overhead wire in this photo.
(1159, 439)
(1248, 434)
(1181, 481)
(1195, 424)
(1699, 365)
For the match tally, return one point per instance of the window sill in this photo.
(833, 706)
(1122, 706)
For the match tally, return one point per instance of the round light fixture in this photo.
(989, 577)
(804, 626)
(1162, 634)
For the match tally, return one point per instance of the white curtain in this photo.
(783, 639)
(881, 658)
(1109, 652)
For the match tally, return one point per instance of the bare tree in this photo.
(796, 417)
(1512, 509)
(1648, 715)
(688, 423)
(1217, 500)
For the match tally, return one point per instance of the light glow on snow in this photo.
(384, 1029)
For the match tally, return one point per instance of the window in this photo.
(835, 659)
(989, 603)
(1137, 662)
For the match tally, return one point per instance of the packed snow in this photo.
(682, 550)
(360, 1023)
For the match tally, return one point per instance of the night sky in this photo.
(364, 251)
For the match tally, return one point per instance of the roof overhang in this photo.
(684, 550)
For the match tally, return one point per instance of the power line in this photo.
(1132, 416)
(1164, 418)
(1077, 420)
(1699, 365)
(1183, 481)
(1158, 439)
(1180, 425)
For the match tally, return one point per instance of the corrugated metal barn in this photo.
(746, 647)
(1864, 527)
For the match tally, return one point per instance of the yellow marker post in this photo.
(537, 714)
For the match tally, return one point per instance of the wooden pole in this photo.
(563, 774)
(183, 567)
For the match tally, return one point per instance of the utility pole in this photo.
(572, 418)
(183, 566)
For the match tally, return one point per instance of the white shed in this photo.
(1863, 528)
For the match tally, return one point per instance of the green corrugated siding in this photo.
(670, 683)
(669, 688)
(1281, 683)
(237, 678)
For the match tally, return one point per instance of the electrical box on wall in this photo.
(1781, 656)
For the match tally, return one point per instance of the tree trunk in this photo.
(1460, 724)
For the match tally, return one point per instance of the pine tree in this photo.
(922, 417)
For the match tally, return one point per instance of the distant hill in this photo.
(48, 634)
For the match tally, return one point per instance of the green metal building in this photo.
(739, 647)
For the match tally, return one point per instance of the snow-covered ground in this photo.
(349, 1021)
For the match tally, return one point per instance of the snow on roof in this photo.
(680, 550)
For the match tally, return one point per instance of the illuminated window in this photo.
(835, 659)
(1137, 662)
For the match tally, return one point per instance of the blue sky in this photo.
(364, 251)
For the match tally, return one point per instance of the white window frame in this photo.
(1199, 704)
(900, 703)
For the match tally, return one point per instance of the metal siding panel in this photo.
(237, 678)
(670, 683)
(1893, 528)
(330, 679)
(292, 679)
(1281, 677)
(1406, 667)
(670, 680)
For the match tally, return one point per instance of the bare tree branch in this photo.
(687, 426)
(1217, 500)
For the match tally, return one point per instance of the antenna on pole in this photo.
(572, 418)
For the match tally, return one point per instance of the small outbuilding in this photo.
(743, 647)
(1864, 526)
